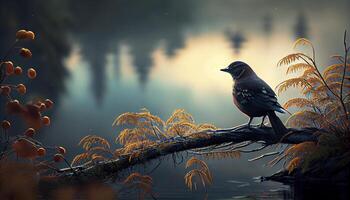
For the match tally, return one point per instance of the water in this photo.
(100, 59)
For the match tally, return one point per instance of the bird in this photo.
(254, 97)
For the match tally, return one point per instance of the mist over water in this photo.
(98, 59)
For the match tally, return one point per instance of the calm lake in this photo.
(98, 59)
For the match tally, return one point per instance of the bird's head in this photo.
(238, 70)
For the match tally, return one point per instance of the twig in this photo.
(264, 155)
(343, 77)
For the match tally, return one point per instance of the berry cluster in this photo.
(24, 145)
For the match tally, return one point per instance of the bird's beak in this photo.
(224, 70)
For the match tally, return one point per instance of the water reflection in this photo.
(174, 50)
(48, 21)
(237, 40)
(301, 28)
(138, 24)
(267, 24)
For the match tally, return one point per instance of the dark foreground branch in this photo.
(235, 135)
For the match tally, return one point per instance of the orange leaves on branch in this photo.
(95, 148)
(80, 158)
(292, 58)
(179, 115)
(300, 149)
(138, 119)
(293, 164)
(298, 67)
(299, 103)
(141, 183)
(290, 83)
(201, 171)
(302, 41)
(325, 105)
(88, 141)
(150, 127)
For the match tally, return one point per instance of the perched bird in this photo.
(253, 96)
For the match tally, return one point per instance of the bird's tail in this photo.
(277, 125)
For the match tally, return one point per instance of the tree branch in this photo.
(235, 135)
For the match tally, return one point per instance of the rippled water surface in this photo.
(103, 58)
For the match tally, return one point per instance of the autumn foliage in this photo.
(140, 131)
(324, 103)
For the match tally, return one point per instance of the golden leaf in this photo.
(297, 67)
(202, 172)
(293, 164)
(292, 82)
(302, 41)
(292, 58)
(335, 68)
(298, 102)
(79, 158)
(179, 115)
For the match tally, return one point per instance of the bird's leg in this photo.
(250, 121)
(262, 122)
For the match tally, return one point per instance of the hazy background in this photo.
(98, 59)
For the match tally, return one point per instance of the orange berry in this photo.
(21, 89)
(9, 67)
(21, 34)
(48, 103)
(18, 70)
(13, 103)
(29, 132)
(42, 106)
(62, 150)
(13, 107)
(41, 151)
(46, 120)
(58, 157)
(25, 53)
(31, 73)
(25, 148)
(5, 124)
(30, 35)
(5, 90)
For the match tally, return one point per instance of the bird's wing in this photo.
(261, 95)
